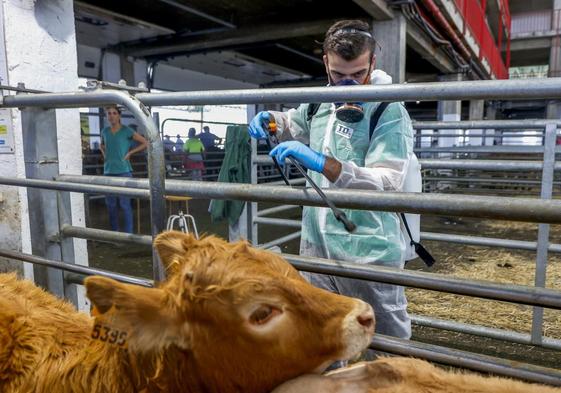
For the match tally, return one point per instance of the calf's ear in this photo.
(148, 317)
(171, 246)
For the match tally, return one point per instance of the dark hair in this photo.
(113, 106)
(205, 128)
(192, 132)
(349, 39)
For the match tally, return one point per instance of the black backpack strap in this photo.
(421, 251)
(376, 117)
(312, 110)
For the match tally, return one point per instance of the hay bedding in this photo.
(490, 264)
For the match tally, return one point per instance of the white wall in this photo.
(11, 162)
(40, 47)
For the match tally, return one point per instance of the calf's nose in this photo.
(366, 319)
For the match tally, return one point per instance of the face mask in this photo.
(349, 112)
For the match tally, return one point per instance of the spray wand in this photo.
(338, 213)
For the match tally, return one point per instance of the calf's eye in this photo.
(263, 314)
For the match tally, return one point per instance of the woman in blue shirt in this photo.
(116, 151)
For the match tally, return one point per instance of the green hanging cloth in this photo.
(234, 169)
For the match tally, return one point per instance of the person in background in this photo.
(342, 155)
(209, 140)
(194, 155)
(178, 144)
(168, 143)
(116, 151)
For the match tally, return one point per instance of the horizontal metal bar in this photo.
(262, 159)
(488, 180)
(96, 84)
(74, 278)
(487, 241)
(105, 236)
(293, 182)
(483, 331)
(442, 237)
(428, 163)
(433, 91)
(88, 271)
(21, 89)
(469, 360)
(276, 209)
(283, 222)
(511, 293)
(485, 149)
(488, 165)
(511, 209)
(76, 187)
(280, 240)
(485, 165)
(529, 124)
(202, 121)
(479, 135)
(68, 99)
(437, 282)
(273, 176)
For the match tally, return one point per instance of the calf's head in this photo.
(243, 318)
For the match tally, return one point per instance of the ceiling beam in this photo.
(102, 12)
(424, 46)
(194, 11)
(224, 39)
(377, 9)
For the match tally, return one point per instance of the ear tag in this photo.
(106, 329)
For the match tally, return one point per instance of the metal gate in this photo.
(57, 238)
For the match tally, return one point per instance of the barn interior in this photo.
(500, 152)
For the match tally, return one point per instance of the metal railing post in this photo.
(252, 206)
(41, 162)
(543, 229)
(156, 167)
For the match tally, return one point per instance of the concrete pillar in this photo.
(39, 49)
(476, 113)
(127, 70)
(391, 35)
(450, 111)
(11, 163)
(111, 67)
(554, 107)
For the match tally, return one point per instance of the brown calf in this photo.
(405, 375)
(228, 319)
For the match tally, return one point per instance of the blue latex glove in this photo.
(309, 158)
(258, 125)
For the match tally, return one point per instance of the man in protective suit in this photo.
(341, 154)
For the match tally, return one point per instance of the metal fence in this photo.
(515, 168)
(54, 241)
(545, 169)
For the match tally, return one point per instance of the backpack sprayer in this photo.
(338, 213)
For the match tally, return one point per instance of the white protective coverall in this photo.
(377, 164)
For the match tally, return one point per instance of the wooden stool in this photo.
(173, 198)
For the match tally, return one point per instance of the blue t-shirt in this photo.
(117, 145)
(208, 139)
